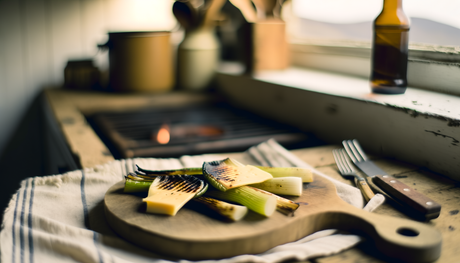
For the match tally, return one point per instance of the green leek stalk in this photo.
(136, 186)
(282, 186)
(254, 199)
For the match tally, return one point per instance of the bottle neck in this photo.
(392, 5)
(392, 14)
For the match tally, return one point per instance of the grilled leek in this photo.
(254, 199)
(169, 193)
(151, 174)
(285, 205)
(231, 212)
(136, 186)
(304, 173)
(282, 186)
(228, 173)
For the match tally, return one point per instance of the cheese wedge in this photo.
(168, 194)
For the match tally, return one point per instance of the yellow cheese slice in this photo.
(167, 194)
(166, 202)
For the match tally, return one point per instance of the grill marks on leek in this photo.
(182, 171)
(168, 194)
(229, 173)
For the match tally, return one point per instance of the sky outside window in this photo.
(430, 18)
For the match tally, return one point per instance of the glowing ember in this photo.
(163, 135)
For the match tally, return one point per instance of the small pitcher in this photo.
(197, 59)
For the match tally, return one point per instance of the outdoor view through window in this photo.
(433, 22)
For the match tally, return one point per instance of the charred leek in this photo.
(304, 173)
(282, 186)
(168, 194)
(229, 211)
(254, 199)
(229, 173)
(151, 174)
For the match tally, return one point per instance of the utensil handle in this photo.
(398, 238)
(365, 189)
(408, 196)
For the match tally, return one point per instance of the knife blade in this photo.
(403, 194)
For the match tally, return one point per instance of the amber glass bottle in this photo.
(390, 49)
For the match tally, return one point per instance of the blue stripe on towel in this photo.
(86, 213)
(95, 235)
(21, 229)
(83, 199)
(31, 242)
(13, 256)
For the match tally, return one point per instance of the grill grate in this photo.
(194, 129)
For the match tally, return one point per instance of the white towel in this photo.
(60, 218)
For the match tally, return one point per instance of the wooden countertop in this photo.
(69, 108)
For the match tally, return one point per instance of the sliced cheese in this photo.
(168, 194)
(166, 202)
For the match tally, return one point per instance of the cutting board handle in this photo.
(403, 239)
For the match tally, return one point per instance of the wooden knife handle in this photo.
(407, 196)
(365, 189)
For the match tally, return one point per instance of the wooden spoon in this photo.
(211, 12)
(246, 8)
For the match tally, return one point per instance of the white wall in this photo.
(37, 37)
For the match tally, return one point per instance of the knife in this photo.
(418, 203)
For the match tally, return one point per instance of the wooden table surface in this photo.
(68, 108)
(437, 187)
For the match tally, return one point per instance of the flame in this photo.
(163, 135)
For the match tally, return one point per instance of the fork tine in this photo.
(359, 149)
(338, 160)
(347, 148)
(346, 160)
(342, 161)
(354, 153)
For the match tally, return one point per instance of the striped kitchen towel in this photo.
(60, 218)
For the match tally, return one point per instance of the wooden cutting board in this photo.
(194, 235)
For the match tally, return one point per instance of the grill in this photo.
(196, 129)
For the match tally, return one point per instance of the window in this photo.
(336, 36)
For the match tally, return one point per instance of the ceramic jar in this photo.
(197, 59)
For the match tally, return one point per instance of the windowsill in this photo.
(419, 127)
(420, 101)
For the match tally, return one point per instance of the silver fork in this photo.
(347, 171)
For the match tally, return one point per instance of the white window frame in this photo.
(435, 68)
(430, 67)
